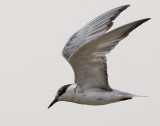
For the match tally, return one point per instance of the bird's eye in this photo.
(62, 90)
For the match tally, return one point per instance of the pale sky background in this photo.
(32, 35)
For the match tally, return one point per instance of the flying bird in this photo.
(86, 52)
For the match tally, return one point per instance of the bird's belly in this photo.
(95, 98)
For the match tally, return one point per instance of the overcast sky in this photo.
(32, 35)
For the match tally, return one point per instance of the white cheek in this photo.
(56, 95)
(62, 98)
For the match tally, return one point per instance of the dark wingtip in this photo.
(122, 8)
(146, 19)
(125, 7)
(138, 23)
(124, 99)
(142, 21)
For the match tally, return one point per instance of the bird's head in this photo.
(59, 95)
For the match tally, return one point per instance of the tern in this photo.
(86, 52)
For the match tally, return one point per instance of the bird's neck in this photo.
(70, 93)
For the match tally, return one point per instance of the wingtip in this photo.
(147, 19)
(122, 8)
(144, 20)
(126, 6)
(138, 23)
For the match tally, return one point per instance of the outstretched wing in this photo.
(89, 61)
(94, 29)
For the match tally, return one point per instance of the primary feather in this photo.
(94, 29)
(89, 61)
(86, 49)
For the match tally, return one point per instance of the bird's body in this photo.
(86, 52)
(94, 96)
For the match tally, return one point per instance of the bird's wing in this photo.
(94, 29)
(89, 61)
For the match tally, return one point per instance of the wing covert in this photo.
(89, 61)
(94, 29)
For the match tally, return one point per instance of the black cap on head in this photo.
(60, 92)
